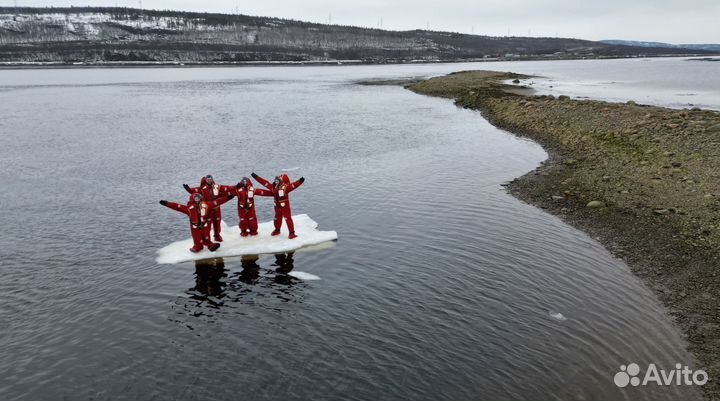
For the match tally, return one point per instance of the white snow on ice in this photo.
(235, 245)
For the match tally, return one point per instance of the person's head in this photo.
(197, 198)
(277, 181)
(209, 179)
(245, 182)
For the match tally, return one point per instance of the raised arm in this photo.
(233, 190)
(262, 192)
(295, 184)
(226, 189)
(191, 190)
(262, 181)
(175, 206)
(220, 200)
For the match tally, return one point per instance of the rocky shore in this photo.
(643, 180)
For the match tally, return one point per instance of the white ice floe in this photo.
(557, 316)
(303, 276)
(263, 243)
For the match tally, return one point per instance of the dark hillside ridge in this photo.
(714, 47)
(109, 34)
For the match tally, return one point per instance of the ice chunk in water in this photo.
(263, 243)
(557, 316)
(304, 276)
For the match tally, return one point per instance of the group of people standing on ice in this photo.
(203, 207)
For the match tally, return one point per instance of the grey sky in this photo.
(688, 21)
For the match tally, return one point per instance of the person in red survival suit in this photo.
(198, 211)
(246, 192)
(210, 192)
(280, 189)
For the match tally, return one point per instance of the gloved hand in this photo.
(302, 179)
(253, 175)
(164, 202)
(187, 187)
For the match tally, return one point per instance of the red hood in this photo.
(190, 201)
(249, 182)
(285, 179)
(203, 182)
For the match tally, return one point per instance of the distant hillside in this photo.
(708, 46)
(98, 35)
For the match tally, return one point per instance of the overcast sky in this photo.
(688, 21)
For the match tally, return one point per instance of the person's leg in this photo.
(289, 221)
(206, 238)
(216, 218)
(278, 220)
(243, 214)
(252, 222)
(197, 239)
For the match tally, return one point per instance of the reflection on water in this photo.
(209, 286)
(285, 264)
(218, 286)
(250, 270)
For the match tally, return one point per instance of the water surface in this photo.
(441, 286)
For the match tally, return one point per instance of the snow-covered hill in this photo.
(122, 34)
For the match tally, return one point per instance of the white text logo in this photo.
(681, 375)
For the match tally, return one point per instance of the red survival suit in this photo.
(280, 189)
(210, 192)
(198, 211)
(246, 192)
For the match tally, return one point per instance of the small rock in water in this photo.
(662, 211)
(557, 316)
(557, 198)
(595, 204)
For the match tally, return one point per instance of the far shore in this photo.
(643, 180)
(16, 65)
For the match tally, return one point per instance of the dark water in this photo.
(440, 287)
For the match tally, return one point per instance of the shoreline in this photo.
(644, 181)
(21, 65)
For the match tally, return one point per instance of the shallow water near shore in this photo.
(441, 286)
